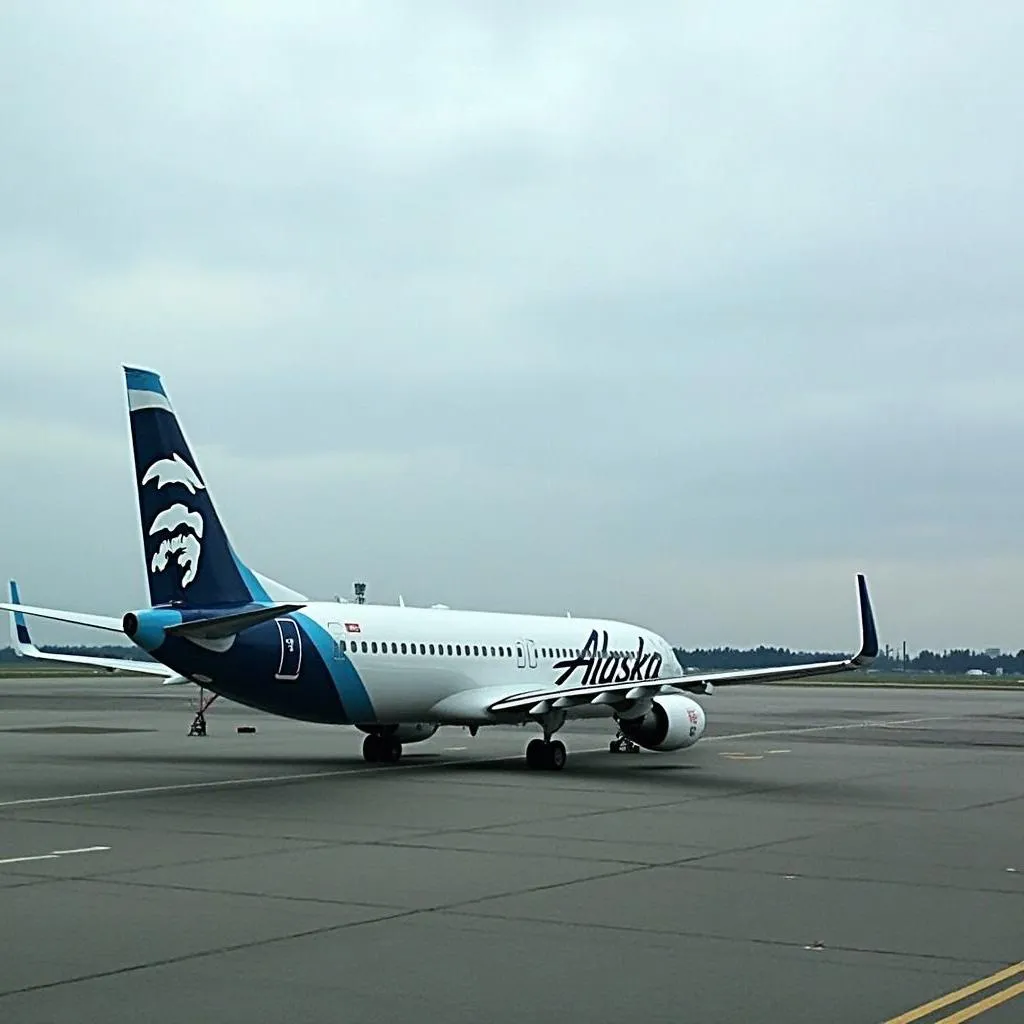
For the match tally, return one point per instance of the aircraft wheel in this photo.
(556, 755)
(372, 749)
(391, 751)
(535, 752)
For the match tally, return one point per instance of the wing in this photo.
(21, 641)
(539, 702)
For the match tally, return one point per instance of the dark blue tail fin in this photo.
(189, 559)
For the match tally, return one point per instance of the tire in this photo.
(371, 749)
(556, 755)
(535, 754)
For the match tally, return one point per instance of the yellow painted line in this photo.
(963, 993)
(986, 1004)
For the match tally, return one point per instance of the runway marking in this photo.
(53, 854)
(184, 787)
(778, 751)
(868, 723)
(975, 1009)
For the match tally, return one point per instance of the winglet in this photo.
(21, 641)
(868, 633)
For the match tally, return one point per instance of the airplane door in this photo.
(337, 632)
(291, 650)
(526, 654)
(531, 653)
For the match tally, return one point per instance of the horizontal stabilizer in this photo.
(21, 641)
(228, 625)
(75, 618)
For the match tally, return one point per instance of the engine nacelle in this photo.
(674, 722)
(406, 732)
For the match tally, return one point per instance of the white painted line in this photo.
(53, 855)
(868, 723)
(455, 748)
(184, 787)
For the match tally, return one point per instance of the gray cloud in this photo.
(679, 315)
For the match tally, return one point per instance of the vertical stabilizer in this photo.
(189, 559)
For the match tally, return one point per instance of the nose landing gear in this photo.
(622, 744)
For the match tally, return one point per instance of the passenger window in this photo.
(476, 651)
(403, 648)
(431, 648)
(458, 648)
(364, 647)
(373, 647)
(492, 651)
(341, 646)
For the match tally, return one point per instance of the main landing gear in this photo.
(381, 749)
(549, 754)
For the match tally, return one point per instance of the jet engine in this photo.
(673, 722)
(405, 732)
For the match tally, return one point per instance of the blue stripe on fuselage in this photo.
(351, 691)
(246, 671)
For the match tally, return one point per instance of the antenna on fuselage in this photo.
(360, 591)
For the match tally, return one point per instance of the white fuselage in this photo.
(438, 664)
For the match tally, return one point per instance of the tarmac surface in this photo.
(825, 855)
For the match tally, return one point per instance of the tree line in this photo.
(103, 651)
(952, 662)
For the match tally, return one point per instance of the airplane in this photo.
(396, 673)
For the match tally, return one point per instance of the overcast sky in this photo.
(677, 313)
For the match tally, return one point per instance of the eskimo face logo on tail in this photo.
(181, 527)
(174, 470)
(185, 531)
